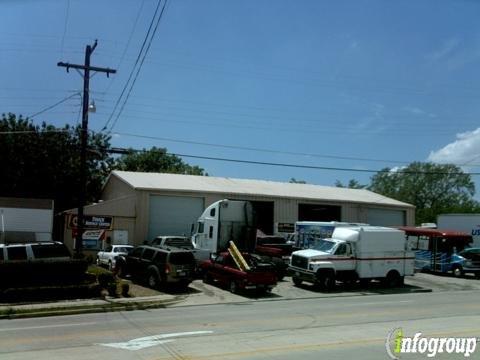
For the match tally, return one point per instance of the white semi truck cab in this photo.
(354, 253)
(222, 222)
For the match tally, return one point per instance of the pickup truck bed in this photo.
(224, 271)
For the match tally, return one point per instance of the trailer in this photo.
(468, 223)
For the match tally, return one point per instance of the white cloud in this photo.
(455, 54)
(445, 50)
(417, 111)
(396, 169)
(463, 151)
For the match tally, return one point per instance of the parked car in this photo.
(180, 242)
(109, 256)
(160, 266)
(34, 251)
(38, 263)
(468, 261)
(223, 269)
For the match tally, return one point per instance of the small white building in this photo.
(144, 205)
(25, 220)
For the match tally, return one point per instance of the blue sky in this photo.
(347, 84)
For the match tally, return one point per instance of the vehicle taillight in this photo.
(167, 269)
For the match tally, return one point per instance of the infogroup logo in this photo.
(397, 343)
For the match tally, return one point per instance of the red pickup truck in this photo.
(277, 250)
(222, 269)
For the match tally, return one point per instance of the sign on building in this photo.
(92, 222)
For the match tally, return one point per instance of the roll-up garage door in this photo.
(173, 215)
(386, 217)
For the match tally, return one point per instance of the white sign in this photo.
(93, 234)
(120, 237)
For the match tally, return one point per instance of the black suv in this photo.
(161, 266)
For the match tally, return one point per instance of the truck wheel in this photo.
(457, 271)
(325, 280)
(329, 281)
(297, 281)
(233, 287)
(393, 279)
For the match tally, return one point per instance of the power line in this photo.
(140, 66)
(134, 66)
(321, 167)
(127, 151)
(54, 105)
(330, 128)
(245, 148)
(20, 132)
(122, 57)
(259, 149)
(67, 15)
(240, 161)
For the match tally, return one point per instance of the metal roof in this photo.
(210, 184)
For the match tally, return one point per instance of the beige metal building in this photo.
(144, 205)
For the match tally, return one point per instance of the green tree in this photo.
(432, 188)
(155, 160)
(42, 161)
(352, 184)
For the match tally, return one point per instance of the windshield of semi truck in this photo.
(324, 245)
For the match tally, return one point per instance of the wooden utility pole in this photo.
(84, 137)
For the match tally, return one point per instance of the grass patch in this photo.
(97, 270)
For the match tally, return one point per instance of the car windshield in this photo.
(179, 242)
(124, 249)
(324, 245)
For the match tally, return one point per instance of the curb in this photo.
(13, 313)
(119, 305)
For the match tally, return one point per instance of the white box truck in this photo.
(355, 253)
(308, 233)
(468, 223)
(221, 222)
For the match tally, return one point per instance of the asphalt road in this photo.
(328, 328)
